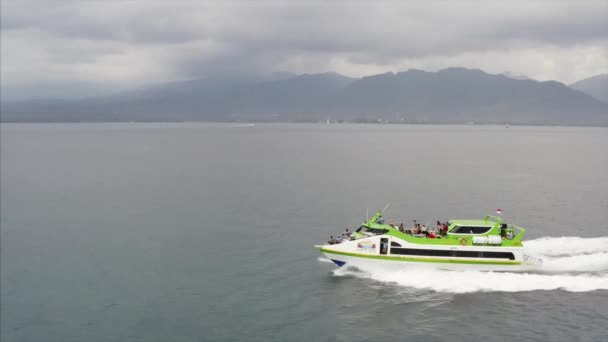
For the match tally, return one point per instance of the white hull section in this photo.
(364, 253)
(393, 265)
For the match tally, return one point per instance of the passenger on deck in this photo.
(445, 228)
(415, 230)
(423, 230)
(431, 235)
(401, 228)
(331, 240)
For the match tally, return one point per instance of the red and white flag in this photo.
(499, 211)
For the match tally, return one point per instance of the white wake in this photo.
(569, 263)
(566, 246)
(325, 260)
(570, 254)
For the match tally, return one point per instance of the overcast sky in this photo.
(84, 46)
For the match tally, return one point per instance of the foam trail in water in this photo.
(473, 281)
(596, 262)
(566, 246)
(570, 254)
(325, 260)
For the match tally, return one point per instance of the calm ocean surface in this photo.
(205, 232)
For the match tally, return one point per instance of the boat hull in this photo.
(367, 253)
(401, 263)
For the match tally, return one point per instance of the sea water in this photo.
(205, 232)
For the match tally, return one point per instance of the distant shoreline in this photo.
(246, 124)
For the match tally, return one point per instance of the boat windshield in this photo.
(374, 231)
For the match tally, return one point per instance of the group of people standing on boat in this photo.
(418, 230)
(346, 235)
(430, 232)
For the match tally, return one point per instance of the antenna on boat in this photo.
(389, 203)
(366, 214)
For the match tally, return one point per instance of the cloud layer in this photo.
(123, 44)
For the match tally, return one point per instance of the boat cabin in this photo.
(488, 231)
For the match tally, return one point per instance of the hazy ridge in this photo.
(452, 95)
(596, 86)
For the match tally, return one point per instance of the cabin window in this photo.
(452, 253)
(395, 244)
(470, 230)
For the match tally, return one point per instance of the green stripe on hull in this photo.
(434, 260)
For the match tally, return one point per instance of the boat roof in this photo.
(472, 223)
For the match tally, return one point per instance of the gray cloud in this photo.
(131, 43)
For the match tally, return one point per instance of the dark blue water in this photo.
(205, 232)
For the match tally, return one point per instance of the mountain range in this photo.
(452, 95)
